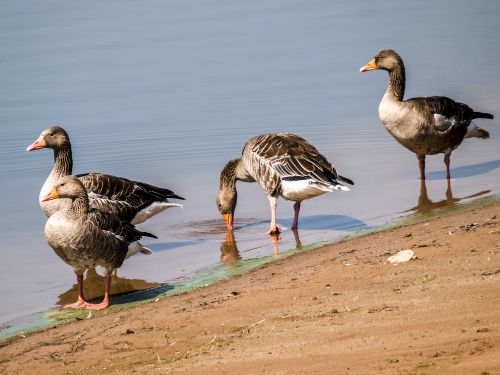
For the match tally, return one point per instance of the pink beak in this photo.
(37, 145)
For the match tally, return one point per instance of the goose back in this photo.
(427, 125)
(132, 201)
(287, 165)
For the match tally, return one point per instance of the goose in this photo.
(85, 237)
(426, 126)
(285, 165)
(132, 201)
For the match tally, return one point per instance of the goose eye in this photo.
(63, 184)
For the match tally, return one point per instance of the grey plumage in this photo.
(424, 125)
(273, 158)
(132, 201)
(85, 237)
(284, 165)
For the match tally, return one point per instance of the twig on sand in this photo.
(259, 322)
(211, 341)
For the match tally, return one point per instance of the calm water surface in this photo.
(168, 91)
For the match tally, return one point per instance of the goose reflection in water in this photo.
(425, 205)
(229, 250)
(93, 287)
(229, 253)
(276, 237)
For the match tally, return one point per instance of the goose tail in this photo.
(137, 247)
(147, 234)
(482, 115)
(346, 180)
(476, 132)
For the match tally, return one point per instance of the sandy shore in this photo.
(337, 309)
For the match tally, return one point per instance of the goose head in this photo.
(66, 187)
(227, 195)
(387, 59)
(226, 203)
(54, 137)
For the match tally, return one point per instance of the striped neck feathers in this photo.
(229, 174)
(63, 161)
(396, 87)
(79, 205)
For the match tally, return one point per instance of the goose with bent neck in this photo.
(285, 165)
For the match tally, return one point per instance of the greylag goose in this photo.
(132, 201)
(284, 165)
(426, 126)
(85, 237)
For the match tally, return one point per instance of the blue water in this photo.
(167, 91)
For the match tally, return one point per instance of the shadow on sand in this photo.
(123, 290)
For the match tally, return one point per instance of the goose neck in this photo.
(396, 87)
(63, 161)
(233, 171)
(79, 205)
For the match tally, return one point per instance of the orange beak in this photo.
(37, 145)
(52, 195)
(229, 220)
(370, 66)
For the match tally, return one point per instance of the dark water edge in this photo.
(22, 326)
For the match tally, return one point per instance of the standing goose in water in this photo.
(426, 126)
(84, 237)
(132, 201)
(284, 165)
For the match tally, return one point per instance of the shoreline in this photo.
(282, 276)
(206, 276)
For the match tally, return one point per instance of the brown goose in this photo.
(85, 237)
(132, 201)
(284, 165)
(426, 126)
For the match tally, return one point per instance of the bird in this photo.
(424, 125)
(86, 237)
(132, 201)
(284, 164)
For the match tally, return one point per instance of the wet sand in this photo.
(340, 308)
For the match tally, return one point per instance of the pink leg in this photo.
(80, 302)
(447, 163)
(296, 209)
(105, 301)
(274, 227)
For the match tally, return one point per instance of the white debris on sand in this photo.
(401, 257)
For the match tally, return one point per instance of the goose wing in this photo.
(112, 225)
(293, 158)
(444, 113)
(121, 196)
